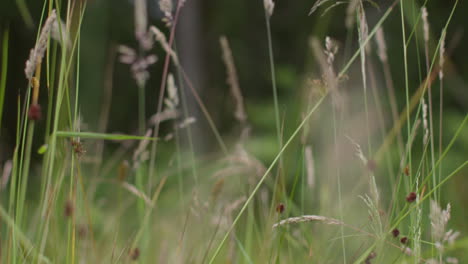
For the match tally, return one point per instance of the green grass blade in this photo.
(4, 71)
(104, 136)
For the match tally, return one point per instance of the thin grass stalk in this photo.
(369, 37)
(44, 225)
(338, 177)
(162, 89)
(403, 212)
(405, 59)
(389, 84)
(267, 172)
(268, 14)
(441, 99)
(22, 238)
(26, 149)
(189, 128)
(363, 33)
(72, 192)
(4, 71)
(106, 105)
(429, 92)
(13, 180)
(431, 68)
(202, 106)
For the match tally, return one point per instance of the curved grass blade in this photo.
(92, 135)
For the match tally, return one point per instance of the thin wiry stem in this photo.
(162, 90)
(429, 91)
(260, 182)
(405, 58)
(268, 13)
(441, 102)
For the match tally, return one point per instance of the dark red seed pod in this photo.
(411, 197)
(395, 232)
(280, 208)
(35, 112)
(404, 240)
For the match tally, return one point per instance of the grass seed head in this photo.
(280, 208)
(411, 197)
(35, 112)
(404, 240)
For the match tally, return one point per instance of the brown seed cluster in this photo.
(135, 254)
(78, 147)
(395, 232)
(35, 112)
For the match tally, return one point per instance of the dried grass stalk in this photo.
(37, 53)
(269, 7)
(233, 81)
(310, 166)
(308, 218)
(161, 38)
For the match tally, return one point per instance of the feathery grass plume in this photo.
(439, 219)
(166, 7)
(425, 121)
(37, 53)
(374, 213)
(172, 100)
(233, 80)
(60, 34)
(165, 115)
(134, 190)
(269, 7)
(442, 55)
(310, 167)
(326, 65)
(243, 162)
(308, 218)
(141, 154)
(138, 64)
(187, 122)
(424, 16)
(373, 203)
(161, 38)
